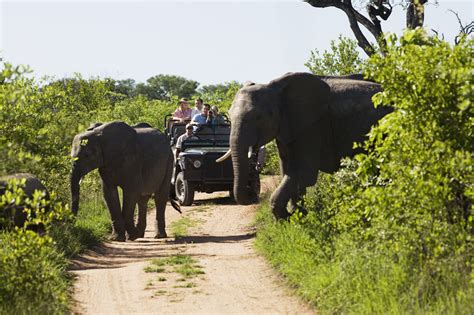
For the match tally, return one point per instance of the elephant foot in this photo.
(140, 231)
(281, 215)
(117, 237)
(133, 236)
(161, 235)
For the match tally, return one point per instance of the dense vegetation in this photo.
(391, 232)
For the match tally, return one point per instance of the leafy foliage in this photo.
(32, 271)
(32, 274)
(391, 232)
(342, 59)
(163, 87)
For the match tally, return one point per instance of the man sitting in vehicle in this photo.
(197, 108)
(201, 119)
(188, 135)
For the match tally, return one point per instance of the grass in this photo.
(91, 227)
(184, 265)
(356, 280)
(186, 286)
(179, 228)
(153, 268)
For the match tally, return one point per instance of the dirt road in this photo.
(232, 278)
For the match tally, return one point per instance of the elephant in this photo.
(137, 159)
(315, 121)
(13, 213)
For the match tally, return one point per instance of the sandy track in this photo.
(111, 278)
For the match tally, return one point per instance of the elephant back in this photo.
(119, 143)
(352, 112)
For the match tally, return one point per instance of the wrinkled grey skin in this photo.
(137, 159)
(32, 184)
(315, 121)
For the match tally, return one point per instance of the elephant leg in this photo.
(113, 204)
(161, 197)
(142, 210)
(281, 196)
(160, 202)
(130, 200)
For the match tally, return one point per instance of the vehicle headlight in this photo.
(197, 164)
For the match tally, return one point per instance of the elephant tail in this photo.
(175, 204)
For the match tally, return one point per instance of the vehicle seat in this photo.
(176, 131)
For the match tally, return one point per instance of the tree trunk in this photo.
(416, 13)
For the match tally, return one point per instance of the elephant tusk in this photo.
(250, 152)
(80, 181)
(224, 157)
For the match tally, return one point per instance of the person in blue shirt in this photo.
(202, 118)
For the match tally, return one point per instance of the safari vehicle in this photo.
(196, 169)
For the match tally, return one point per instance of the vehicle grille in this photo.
(219, 171)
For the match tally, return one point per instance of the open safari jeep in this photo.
(196, 169)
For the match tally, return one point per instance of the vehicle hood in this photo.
(205, 150)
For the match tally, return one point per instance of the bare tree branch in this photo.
(376, 9)
(354, 18)
(464, 30)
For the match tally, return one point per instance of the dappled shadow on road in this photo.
(215, 201)
(198, 239)
(117, 254)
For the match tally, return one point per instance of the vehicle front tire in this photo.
(184, 190)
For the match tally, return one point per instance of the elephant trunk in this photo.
(240, 163)
(76, 176)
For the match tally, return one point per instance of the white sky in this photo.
(207, 41)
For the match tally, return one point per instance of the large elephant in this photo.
(139, 160)
(14, 213)
(315, 121)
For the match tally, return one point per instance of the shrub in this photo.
(391, 232)
(32, 274)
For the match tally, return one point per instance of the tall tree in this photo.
(217, 88)
(164, 86)
(376, 10)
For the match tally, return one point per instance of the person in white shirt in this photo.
(197, 107)
(187, 135)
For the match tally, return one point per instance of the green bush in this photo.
(32, 274)
(342, 59)
(391, 232)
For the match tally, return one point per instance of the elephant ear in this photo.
(305, 101)
(119, 144)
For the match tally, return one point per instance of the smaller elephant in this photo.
(14, 213)
(137, 159)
